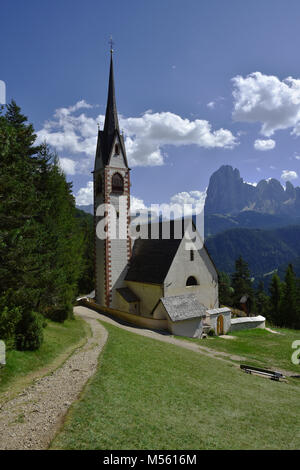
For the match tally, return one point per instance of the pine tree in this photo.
(225, 289)
(288, 304)
(18, 204)
(242, 284)
(62, 239)
(274, 312)
(261, 299)
(25, 132)
(41, 241)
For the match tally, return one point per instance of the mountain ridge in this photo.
(229, 194)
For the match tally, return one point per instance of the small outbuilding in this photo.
(184, 314)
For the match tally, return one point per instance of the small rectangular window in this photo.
(192, 255)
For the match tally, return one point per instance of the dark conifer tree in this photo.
(225, 289)
(275, 289)
(242, 284)
(41, 242)
(288, 304)
(261, 299)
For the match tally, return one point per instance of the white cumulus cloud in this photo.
(84, 196)
(288, 175)
(266, 99)
(191, 202)
(146, 135)
(211, 104)
(264, 144)
(68, 166)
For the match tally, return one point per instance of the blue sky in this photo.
(177, 65)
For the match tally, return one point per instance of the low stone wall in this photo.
(246, 323)
(138, 320)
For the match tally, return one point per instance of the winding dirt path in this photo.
(162, 336)
(30, 420)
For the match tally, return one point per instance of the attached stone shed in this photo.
(128, 301)
(184, 314)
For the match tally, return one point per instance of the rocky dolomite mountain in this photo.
(229, 194)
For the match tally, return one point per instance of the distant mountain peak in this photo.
(229, 194)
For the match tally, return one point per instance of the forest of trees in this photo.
(281, 305)
(45, 256)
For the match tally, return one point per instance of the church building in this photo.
(160, 278)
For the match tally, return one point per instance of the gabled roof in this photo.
(183, 307)
(151, 259)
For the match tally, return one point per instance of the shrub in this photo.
(9, 319)
(62, 313)
(211, 332)
(29, 332)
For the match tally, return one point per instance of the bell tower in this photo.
(111, 204)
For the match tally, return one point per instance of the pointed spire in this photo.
(111, 115)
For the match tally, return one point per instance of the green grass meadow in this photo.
(260, 347)
(60, 339)
(152, 395)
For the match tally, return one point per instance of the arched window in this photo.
(117, 149)
(191, 281)
(117, 183)
(98, 185)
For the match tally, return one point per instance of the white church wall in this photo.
(149, 295)
(201, 268)
(99, 251)
(191, 328)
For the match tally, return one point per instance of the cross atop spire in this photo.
(111, 116)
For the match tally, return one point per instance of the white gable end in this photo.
(198, 266)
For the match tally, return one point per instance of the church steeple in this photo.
(111, 123)
(112, 189)
(111, 131)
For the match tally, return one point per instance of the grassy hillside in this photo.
(152, 395)
(264, 250)
(60, 340)
(259, 347)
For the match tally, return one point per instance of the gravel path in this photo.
(30, 420)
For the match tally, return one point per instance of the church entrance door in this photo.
(220, 325)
